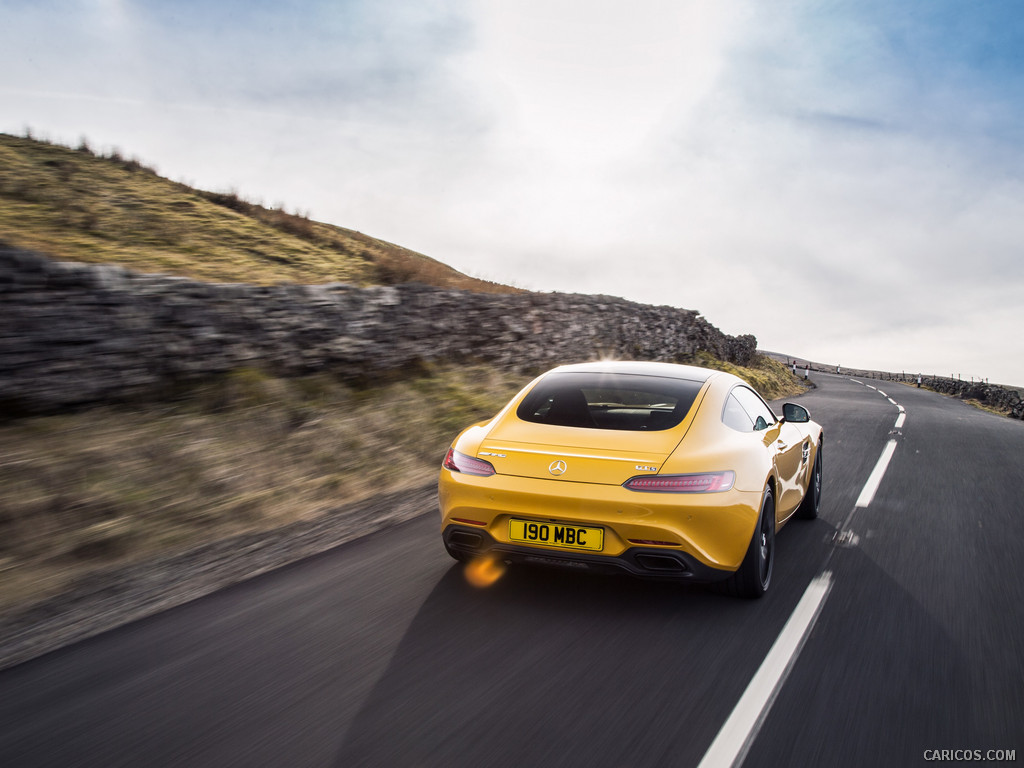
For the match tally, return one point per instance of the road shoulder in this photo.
(112, 598)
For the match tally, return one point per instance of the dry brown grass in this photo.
(76, 206)
(88, 490)
(769, 377)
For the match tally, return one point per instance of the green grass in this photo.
(76, 206)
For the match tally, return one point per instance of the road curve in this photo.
(379, 653)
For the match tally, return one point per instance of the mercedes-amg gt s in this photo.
(656, 469)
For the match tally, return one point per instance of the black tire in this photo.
(808, 509)
(754, 576)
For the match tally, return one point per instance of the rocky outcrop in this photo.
(75, 334)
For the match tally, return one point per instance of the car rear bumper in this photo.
(709, 531)
(467, 542)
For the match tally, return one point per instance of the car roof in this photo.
(640, 368)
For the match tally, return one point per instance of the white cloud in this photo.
(584, 83)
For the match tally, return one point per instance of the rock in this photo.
(71, 334)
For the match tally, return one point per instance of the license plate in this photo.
(556, 535)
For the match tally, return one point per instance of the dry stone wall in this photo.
(76, 334)
(993, 395)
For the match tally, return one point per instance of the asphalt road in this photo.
(379, 653)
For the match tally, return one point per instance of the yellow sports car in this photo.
(656, 469)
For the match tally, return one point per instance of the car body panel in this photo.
(715, 528)
(792, 465)
(568, 463)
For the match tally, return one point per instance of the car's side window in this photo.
(735, 416)
(761, 415)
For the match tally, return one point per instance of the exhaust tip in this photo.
(465, 540)
(660, 563)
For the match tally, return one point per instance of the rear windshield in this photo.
(609, 401)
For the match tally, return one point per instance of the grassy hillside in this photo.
(74, 205)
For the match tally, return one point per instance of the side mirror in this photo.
(795, 414)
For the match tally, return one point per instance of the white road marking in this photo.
(730, 747)
(846, 539)
(732, 743)
(868, 492)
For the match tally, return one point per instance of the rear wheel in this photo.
(808, 509)
(755, 573)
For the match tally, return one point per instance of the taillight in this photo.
(460, 462)
(703, 482)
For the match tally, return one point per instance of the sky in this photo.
(844, 180)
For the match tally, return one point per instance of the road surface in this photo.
(379, 653)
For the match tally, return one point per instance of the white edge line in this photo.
(875, 478)
(901, 419)
(732, 743)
